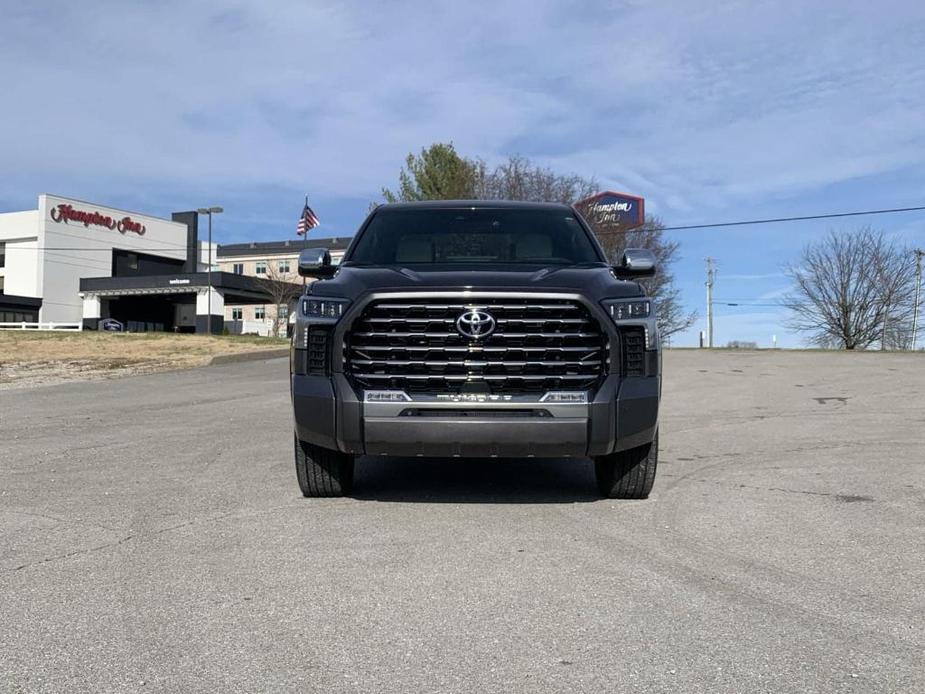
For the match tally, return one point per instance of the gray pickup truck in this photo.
(476, 329)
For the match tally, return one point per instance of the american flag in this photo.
(307, 221)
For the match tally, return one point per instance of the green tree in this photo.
(437, 173)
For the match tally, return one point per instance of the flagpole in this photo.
(305, 243)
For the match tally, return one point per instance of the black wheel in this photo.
(322, 472)
(627, 474)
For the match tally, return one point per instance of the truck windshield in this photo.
(474, 236)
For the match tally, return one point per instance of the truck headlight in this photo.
(628, 310)
(316, 313)
(317, 307)
(635, 312)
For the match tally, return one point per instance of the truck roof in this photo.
(469, 204)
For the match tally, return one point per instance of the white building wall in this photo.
(92, 307)
(203, 264)
(75, 250)
(217, 303)
(19, 233)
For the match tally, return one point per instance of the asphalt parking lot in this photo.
(152, 538)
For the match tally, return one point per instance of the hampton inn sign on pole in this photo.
(610, 207)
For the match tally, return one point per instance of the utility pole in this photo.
(919, 254)
(710, 275)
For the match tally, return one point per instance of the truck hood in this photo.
(593, 281)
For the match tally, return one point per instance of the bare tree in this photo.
(852, 290)
(895, 273)
(617, 237)
(283, 291)
(518, 178)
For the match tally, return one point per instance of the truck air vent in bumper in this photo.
(318, 359)
(535, 345)
(634, 350)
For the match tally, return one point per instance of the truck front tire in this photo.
(322, 472)
(627, 474)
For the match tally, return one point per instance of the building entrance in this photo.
(145, 313)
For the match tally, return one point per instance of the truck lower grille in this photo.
(537, 345)
(634, 351)
(318, 350)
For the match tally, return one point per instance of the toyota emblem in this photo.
(475, 324)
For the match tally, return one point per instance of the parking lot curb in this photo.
(249, 356)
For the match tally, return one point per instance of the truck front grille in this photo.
(537, 345)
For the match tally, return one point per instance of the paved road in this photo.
(152, 538)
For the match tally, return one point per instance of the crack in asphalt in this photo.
(846, 498)
(68, 555)
(109, 545)
(59, 521)
(766, 597)
(142, 537)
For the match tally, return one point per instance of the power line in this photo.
(775, 220)
(684, 227)
(712, 225)
(104, 250)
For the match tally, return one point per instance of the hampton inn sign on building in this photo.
(71, 261)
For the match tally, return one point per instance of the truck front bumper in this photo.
(622, 413)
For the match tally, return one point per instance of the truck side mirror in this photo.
(636, 262)
(316, 262)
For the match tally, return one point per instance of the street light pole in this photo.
(210, 211)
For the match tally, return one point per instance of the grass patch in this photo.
(53, 356)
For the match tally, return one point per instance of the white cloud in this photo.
(777, 293)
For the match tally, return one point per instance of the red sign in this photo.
(66, 213)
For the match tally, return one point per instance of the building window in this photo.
(283, 266)
(238, 268)
(283, 312)
(237, 314)
(260, 313)
(132, 261)
(1, 284)
(2, 254)
(261, 267)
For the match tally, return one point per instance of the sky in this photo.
(713, 112)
